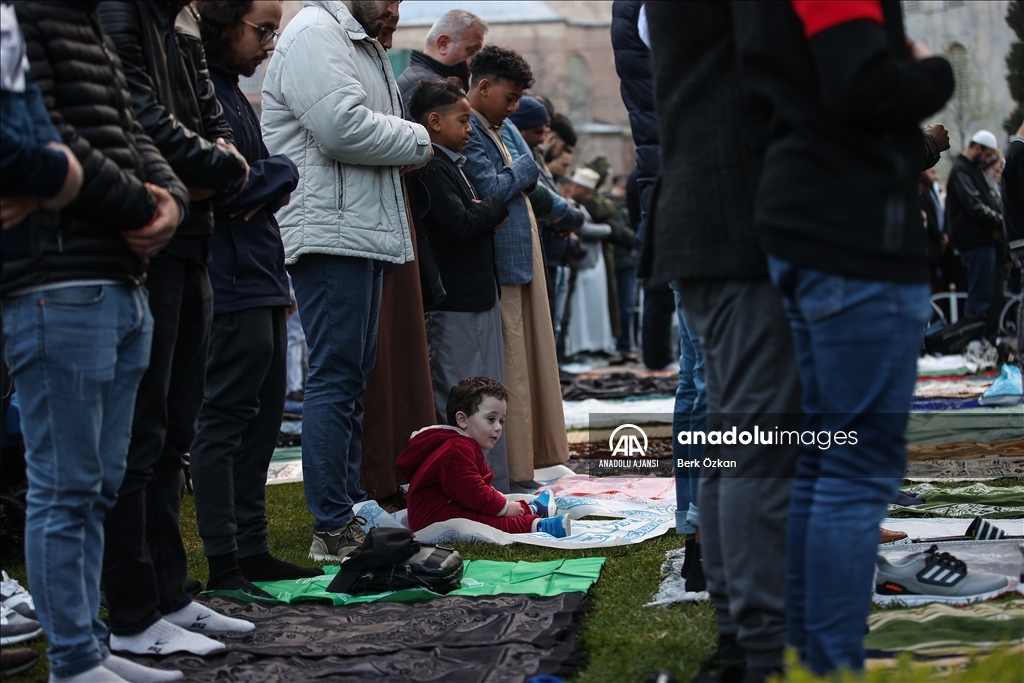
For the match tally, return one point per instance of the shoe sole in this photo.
(21, 638)
(20, 668)
(955, 600)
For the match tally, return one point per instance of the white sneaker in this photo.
(17, 598)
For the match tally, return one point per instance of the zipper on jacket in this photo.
(339, 179)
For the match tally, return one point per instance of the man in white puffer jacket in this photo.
(330, 103)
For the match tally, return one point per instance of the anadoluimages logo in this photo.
(625, 441)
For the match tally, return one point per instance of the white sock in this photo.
(164, 638)
(98, 674)
(197, 617)
(137, 673)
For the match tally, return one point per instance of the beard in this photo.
(369, 16)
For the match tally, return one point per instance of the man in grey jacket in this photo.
(343, 128)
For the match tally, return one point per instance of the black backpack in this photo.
(952, 339)
(390, 560)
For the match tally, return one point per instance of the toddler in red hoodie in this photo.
(449, 478)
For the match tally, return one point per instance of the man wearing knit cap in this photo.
(532, 120)
(975, 220)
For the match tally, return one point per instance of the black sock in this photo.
(695, 581)
(266, 567)
(225, 575)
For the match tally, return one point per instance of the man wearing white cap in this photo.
(975, 220)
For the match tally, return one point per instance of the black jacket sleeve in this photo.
(210, 108)
(863, 83)
(451, 220)
(110, 195)
(196, 160)
(930, 152)
(970, 198)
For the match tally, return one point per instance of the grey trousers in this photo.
(237, 429)
(753, 380)
(463, 344)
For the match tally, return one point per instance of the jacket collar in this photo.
(227, 74)
(341, 14)
(460, 70)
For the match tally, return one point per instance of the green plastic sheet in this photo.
(481, 577)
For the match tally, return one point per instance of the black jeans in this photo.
(238, 428)
(753, 379)
(144, 563)
(656, 327)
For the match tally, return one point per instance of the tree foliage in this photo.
(1015, 66)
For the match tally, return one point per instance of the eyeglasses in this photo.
(266, 35)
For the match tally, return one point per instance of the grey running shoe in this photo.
(931, 576)
(17, 598)
(15, 628)
(334, 546)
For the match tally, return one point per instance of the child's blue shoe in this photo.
(559, 526)
(543, 505)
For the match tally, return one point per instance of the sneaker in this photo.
(931, 576)
(543, 505)
(559, 526)
(334, 546)
(15, 628)
(16, 660)
(16, 598)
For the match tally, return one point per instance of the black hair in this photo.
(434, 94)
(493, 62)
(468, 394)
(561, 125)
(221, 19)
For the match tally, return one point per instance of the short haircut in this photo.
(561, 125)
(468, 394)
(220, 19)
(493, 62)
(455, 23)
(434, 94)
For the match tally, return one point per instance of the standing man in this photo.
(974, 220)
(707, 247)
(77, 325)
(145, 566)
(452, 42)
(838, 215)
(345, 132)
(245, 374)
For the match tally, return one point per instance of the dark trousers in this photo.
(144, 563)
(656, 327)
(625, 286)
(752, 380)
(238, 428)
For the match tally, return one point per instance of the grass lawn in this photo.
(622, 640)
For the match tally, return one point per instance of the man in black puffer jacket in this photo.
(78, 327)
(175, 102)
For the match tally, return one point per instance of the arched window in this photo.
(578, 90)
(957, 55)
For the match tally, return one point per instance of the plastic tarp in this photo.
(450, 639)
(480, 577)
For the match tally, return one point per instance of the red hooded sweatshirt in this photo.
(447, 475)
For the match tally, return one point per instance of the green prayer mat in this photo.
(968, 501)
(481, 577)
(938, 630)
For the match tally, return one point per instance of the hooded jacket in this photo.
(331, 105)
(77, 70)
(838, 189)
(443, 464)
(247, 256)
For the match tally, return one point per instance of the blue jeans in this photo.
(625, 286)
(77, 355)
(981, 279)
(857, 343)
(690, 414)
(339, 305)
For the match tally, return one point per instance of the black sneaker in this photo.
(931, 576)
(334, 546)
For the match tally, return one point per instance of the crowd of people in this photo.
(426, 247)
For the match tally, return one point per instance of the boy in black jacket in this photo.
(464, 333)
